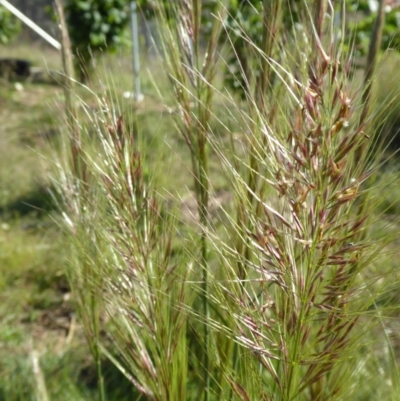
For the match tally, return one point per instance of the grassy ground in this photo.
(36, 313)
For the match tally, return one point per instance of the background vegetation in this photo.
(9, 26)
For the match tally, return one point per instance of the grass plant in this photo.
(285, 293)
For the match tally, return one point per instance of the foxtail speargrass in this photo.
(277, 296)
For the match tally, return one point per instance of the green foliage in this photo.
(248, 14)
(243, 16)
(244, 26)
(95, 25)
(364, 27)
(9, 26)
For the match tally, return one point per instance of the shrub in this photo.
(95, 25)
(10, 26)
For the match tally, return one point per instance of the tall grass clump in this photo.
(279, 297)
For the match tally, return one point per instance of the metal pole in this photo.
(31, 24)
(135, 50)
